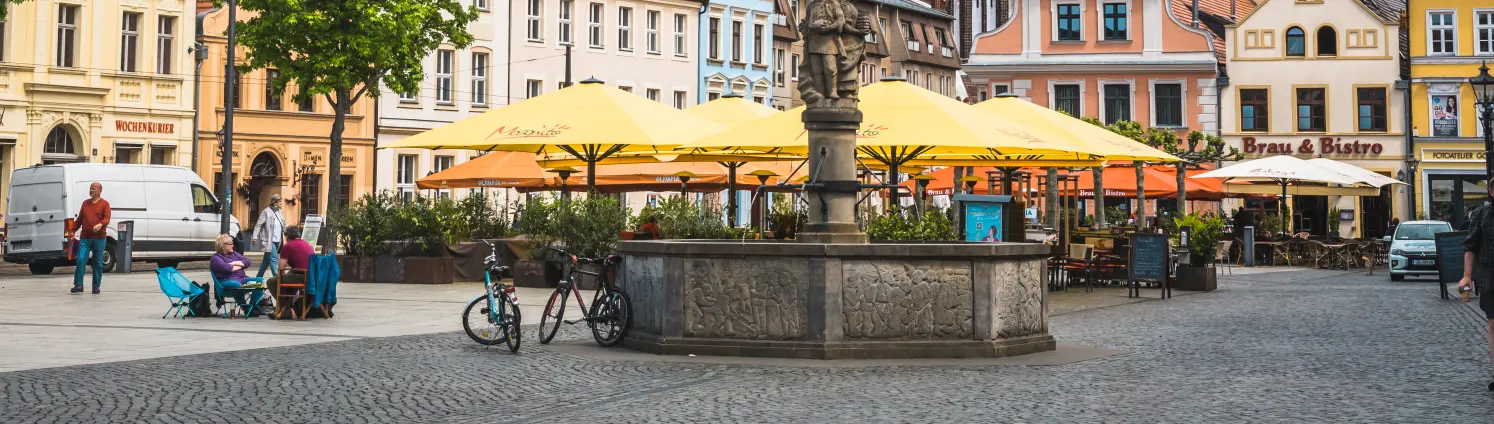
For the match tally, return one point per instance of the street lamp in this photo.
(764, 205)
(1483, 93)
(684, 177)
(565, 173)
(969, 181)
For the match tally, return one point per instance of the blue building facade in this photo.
(736, 50)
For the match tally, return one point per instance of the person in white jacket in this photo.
(267, 235)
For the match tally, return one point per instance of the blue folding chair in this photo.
(225, 296)
(179, 290)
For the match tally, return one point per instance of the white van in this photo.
(174, 213)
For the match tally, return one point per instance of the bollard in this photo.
(1249, 248)
(123, 246)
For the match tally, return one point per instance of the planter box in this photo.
(1196, 278)
(397, 270)
(535, 274)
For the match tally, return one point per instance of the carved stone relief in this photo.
(907, 300)
(746, 299)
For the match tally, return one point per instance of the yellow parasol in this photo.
(590, 121)
(1054, 125)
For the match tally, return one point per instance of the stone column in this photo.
(832, 168)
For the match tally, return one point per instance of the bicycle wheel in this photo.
(479, 324)
(511, 323)
(554, 314)
(614, 316)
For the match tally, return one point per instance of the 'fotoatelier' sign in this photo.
(1430, 155)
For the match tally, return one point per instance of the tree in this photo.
(343, 50)
(5, 7)
(1166, 140)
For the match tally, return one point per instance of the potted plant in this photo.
(537, 266)
(589, 228)
(1203, 246)
(391, 240)
(900, 226)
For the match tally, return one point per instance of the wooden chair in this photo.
(1080, 264)
(290, 290)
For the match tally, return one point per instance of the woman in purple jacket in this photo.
(228, 267)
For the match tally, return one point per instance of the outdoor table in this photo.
(1271, 250)
(1336, 255)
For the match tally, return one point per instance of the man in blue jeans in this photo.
(93, 232)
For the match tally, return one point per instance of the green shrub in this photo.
(427, 226)
(1203, 238)
(1333, 222)
(1115, 215)
(785, 220)
(895, 225)
(484, 219)
(587, 227)
(682, 218)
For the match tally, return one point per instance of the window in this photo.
(911, 76)
(303, 101)
(564, 18)
(757, 45)
(626, 88)
(928, 80)
(533, 30)
(67, 34)
(946, 48)
(1254, 115)
(129, 39)
(344, 191)
(679, 34)
(794, 67)
(594, 25)
(1442, 33)
(123, 154)
(311, 195)
(625, 28)
(651, 94)
(238, 89)
(1069, 26)
(405, 176)
(273, 99)
(1066, 99)
(1296, 42)
(1115, 22)
(2, 40)
(759, 99)
(440, 164)
(1327, 41)
(1167, 101)
(999, 89)
(479, 79)
(532, 89)
(202, 199)
(736, 41)
(1371, 109)
(679, 100)
(653, 32)
(778, 67)
(443, 76)
(714, 50)
(161, 155)
(912, 37)
(1483, 27)
(480, 5)
(165, 43)
(1117, 103)
(882, 22)
(1310, 108)
(59, 141)
(712, 96)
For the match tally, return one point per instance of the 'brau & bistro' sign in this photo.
(145, 127)
(1324, 145)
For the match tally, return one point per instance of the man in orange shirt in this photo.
(651, 228)
(93, 231)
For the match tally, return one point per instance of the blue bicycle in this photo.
(485, 323)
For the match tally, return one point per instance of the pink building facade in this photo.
(1138, 60)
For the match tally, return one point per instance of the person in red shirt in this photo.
(297, 252)
(93, 232)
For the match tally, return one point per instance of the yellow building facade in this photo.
(281, 146)
(95, 81)
(1449, 39)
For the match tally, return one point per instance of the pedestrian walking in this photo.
(1478, 266)
(268, 235)
(93, 232)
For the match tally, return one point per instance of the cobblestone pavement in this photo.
(1289, 347)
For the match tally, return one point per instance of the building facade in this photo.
(1449, 39)
(281, 145)
(785, 33)
(736, 41)
(458, 83)
(913, 40)
(649, 48)
(95, 82)
(1318, 79)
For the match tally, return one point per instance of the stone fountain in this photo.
(830, 294)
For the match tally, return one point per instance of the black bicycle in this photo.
(610, 314)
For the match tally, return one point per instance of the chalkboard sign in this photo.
(1449, 258)
(1149, 255)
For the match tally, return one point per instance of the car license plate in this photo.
(1424, 262)
(20, 246)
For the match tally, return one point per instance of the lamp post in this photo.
(763, 205)
(922, 182)
(565, 174)
(1483, 93)
(684, 177)
(969, 181)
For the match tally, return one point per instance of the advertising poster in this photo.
(983, 222)
(1444, 116)
(312, 231)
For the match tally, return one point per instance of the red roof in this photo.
(1213, 15)
(203, 6)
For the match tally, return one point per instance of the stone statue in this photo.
(834, 46)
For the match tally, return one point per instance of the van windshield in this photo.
(1420, 231)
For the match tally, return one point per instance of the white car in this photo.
(174, 213)
(1412, 251)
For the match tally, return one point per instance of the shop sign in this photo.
(1323, 145)
(1452, 155)
(145, 127)
(1108, 193)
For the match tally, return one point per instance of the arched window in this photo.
(60, 142)
(1296, 42)
(1327, 41)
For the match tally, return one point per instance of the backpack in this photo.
(201, 306)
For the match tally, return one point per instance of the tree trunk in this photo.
(334, 166)
(1182, 189)
(1140, 194)
(1052, 206)
(1099, 197)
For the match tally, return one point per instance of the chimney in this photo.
(1001, 13)
(1232, 18)
(1195, 13)
(967, 23)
